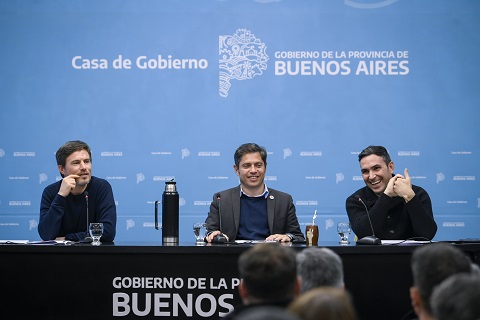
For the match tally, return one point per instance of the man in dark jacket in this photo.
(397, 209)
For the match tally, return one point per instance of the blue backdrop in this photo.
(169, 89)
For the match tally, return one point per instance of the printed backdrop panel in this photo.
(169, 89)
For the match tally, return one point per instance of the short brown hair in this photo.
(68, 148)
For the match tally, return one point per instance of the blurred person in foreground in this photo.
(266, 313)
(397, 209)
(324, 303)
(457, 298)
(318, 267)
(431, 264)
(268, 277)
(63, 208)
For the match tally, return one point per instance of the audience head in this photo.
(475, 269)
(325, 303)
(457, 298)
(268, 273)
(431, 264)
(319, 267)
(266, 313)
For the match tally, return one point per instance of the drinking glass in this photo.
(199, 229)
(343, 229)
(311, 232)
(96, 231)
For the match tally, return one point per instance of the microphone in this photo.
(87, 239)
(368, 239)
(219, 238)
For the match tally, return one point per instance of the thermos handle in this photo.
(156, 214)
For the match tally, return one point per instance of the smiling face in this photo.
(251, 171)
(78, 163)
(376, 173)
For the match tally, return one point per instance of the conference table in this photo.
(184, 281)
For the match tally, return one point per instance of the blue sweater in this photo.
(253, 218)
(67, 216)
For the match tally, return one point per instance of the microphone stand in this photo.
(219, 238)
(87, 238)
(370, 240)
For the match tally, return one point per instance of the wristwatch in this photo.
(290, 236)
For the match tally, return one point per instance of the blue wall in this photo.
(313, 81)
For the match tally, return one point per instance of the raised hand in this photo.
(403, 186)
(68, 184)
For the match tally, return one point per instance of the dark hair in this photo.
(268, 271)
(266, 312)
(376, 150)
(249, 148)
(433, 263)
(457, 298)
(70, 147)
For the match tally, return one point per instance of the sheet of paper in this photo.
(404, 242)
(13, 241)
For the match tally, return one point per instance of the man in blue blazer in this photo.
(251, 211)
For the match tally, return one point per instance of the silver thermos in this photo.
(170, 213)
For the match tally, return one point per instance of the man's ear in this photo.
(242, 290)
(298, 286)
(416, 300)
(236, 169)
(391, 167)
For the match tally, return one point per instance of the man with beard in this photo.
(63, 208)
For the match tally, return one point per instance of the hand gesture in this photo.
(389, 191)
(403, 186)
(68, 184)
